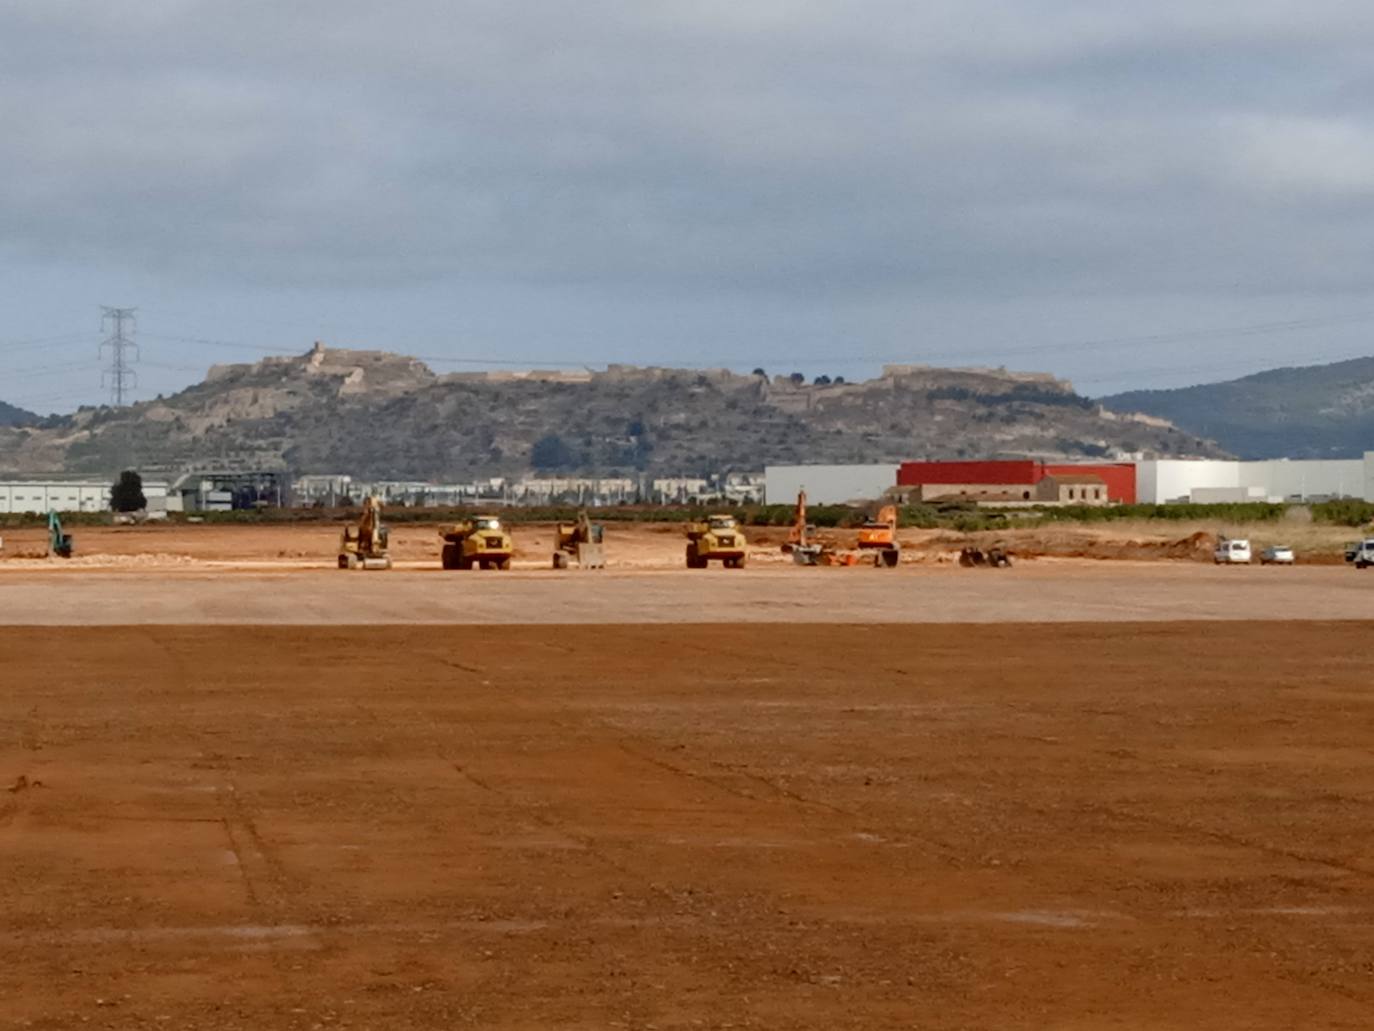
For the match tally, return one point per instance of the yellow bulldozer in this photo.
(720, 539)
(481, 541)
(364, 546)
(582, 541)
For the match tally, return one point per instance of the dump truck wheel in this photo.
(560, 560)
(502, 563)
(691, 557)
(450, 556)
(343, 561)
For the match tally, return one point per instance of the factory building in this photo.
(1020, 481)
(39, 496)
(828, 484)
(1205, 481)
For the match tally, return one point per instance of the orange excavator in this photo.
(879, 536)
(804, 551)
(807, 548)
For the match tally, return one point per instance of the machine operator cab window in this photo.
(721, 522)
(488, 523)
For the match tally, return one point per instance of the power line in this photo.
(34, 343)
(119, 377)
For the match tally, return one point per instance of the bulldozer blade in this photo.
(591, 556)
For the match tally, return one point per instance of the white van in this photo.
(1232, 553)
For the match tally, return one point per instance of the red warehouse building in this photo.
(1012, 479)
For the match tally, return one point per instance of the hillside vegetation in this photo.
(10, 415)
(379, 415)
(1315, 411)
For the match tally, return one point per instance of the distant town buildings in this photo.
(1006, 483)
(1027, 482)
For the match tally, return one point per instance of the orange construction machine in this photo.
(880, 537)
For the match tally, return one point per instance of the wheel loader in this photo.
(581, 541)
(718, 539)
(996, 557)
(365, 546)
(481, 541)
(879, 535)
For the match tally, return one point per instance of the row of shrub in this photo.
(964, 517)
(1231, 512)
(1346, 512)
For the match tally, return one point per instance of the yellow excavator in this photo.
(480, 541)
(580, 540)
(718, 539)
(365, 546)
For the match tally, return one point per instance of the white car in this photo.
(1277, 555)
(1362, 554)
(1232, 553)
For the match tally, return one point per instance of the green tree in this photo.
(127, 494)
(552, 452)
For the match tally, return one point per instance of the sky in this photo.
(1127, 195)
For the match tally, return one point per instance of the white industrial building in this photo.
(1205, 481)
(39, 496)
(828, 484)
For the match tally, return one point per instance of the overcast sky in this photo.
(1125, 194)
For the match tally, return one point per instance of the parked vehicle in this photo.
(1350, 548)
(1277, 555)
(1232, 553)
(1363, 554)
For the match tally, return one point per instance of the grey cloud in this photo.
(709, 148)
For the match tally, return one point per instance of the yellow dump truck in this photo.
(718, 539)
(481, 541)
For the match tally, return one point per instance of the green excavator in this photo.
(59, 543)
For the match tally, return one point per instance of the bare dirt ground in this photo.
(1041, 592)
(1135, 826)
(632, 546)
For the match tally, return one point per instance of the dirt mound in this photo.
(1095, 544)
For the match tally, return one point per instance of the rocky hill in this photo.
(1314, 411)
(379, 415)
(12, 416)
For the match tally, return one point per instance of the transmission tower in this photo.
(118, 324)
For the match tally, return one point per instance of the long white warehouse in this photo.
(827, 484)
(39, 496)
(1161, 481)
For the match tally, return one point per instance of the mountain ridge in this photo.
(1297, 411)
(382, 415)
